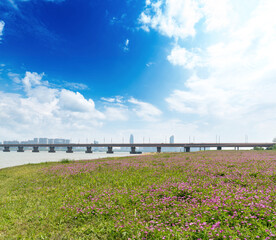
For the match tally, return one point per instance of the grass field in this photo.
(203, 195)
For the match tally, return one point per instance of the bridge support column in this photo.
(35, 149)
(6, 149)
(88, 150)
(69, 150)
(187, 149)
(109, 150)
(238, 148)
(219, 148)
(204, 148)
(20, 149)
(133, 150)
(159, 149)
(52, 150)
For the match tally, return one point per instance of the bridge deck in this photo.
(144, 145)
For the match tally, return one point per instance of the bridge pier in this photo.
(35, 149)
(109, 150)
(88, 150)
(204, 148)
(219, 148)
(187, 149)
(20, 149)
(6, 149)
(133, 150)
(52, 150)
(69, 150)
(238, 148)
(159, 149)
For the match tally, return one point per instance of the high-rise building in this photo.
(11, 142)
(131, 139)
(59, 141)
(172, 139)
(43, 140)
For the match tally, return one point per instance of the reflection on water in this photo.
(13, 158)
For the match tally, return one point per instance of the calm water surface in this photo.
(13, 158)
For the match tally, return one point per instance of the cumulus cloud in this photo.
(183, 57)
(145, 110)
(232, 66)
(75, 102)
(2, 25)
(173, 18)
(31, 80)
(217, 14)
(178, 18)
(241, 69)
(41, 110)
(240, 87)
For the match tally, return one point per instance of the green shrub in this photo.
(258, 148)
(65, 160)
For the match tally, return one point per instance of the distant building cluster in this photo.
(101, 149)
(151, 149)
(40, 141)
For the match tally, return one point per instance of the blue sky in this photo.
(89, 70)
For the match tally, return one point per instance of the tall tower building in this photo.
(172, 139)
(131, 139)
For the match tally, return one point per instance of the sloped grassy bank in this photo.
(204, 195)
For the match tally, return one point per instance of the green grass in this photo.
(200, 195)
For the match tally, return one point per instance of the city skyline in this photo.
(86, 70)
(45, 140)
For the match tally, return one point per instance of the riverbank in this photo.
(201, 195)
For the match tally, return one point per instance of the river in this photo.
(13, 158)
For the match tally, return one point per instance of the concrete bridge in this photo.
(89, 146)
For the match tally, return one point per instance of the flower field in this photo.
(203, 195)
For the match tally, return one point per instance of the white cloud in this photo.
(111, 100)
(126, 45)
(216, 13)
(145, 110)
(2, 25)
(240, 63)
(77, 86)
(75, 102)
(148, 2)
(231, 57)
(183, 57)
(172, 18)
(149, 64)
(46, 111)
(15, 77)
(178, 18)
(31, 80)
(116, 99)
(41, 110)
